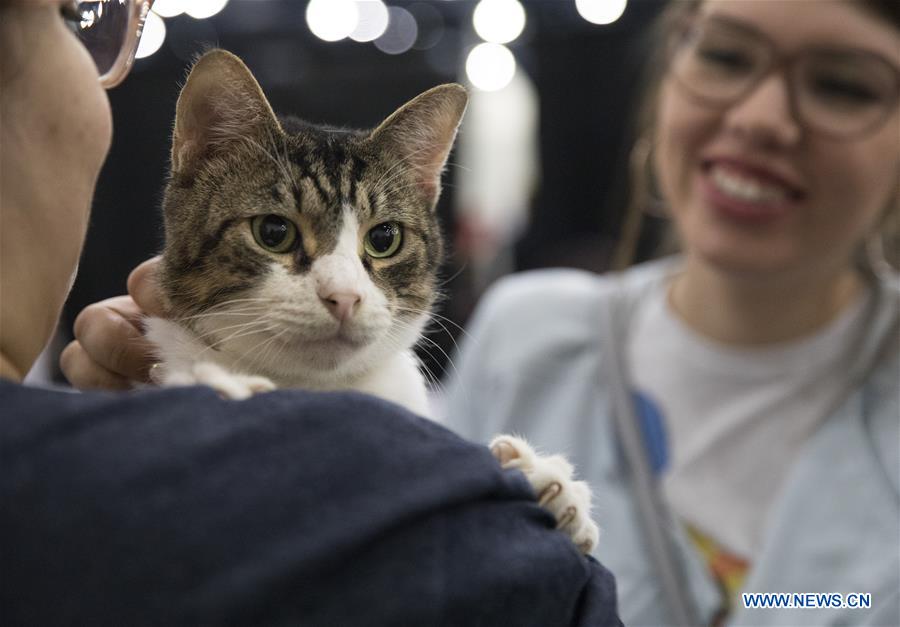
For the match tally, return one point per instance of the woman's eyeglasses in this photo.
(111, 31)
(841, 92)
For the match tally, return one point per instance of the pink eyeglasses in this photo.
(111, 31)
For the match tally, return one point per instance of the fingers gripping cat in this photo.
(305, 256)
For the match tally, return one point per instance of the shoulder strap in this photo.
(652, 511)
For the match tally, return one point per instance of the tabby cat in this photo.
(304, 256)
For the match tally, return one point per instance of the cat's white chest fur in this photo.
(400, 381)
(186, 360)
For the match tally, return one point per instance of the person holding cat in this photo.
(176, 506)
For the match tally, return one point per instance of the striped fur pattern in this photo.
(325, 314)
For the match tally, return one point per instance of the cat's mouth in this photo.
(323, 353)
(340, 340)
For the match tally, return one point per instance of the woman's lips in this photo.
(744, 194)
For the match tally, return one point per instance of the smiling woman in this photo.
(850, 93)
(782, 173)
(743, 391)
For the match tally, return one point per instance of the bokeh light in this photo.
(169, 8)
(332, 20)
(499, 21)
(401, 32)
(153, 36)
(201, 9)
(601, 11)
(490, 66)
(430, 24)
(373, 20)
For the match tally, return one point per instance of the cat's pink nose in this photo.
(341, 305)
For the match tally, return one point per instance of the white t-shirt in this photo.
(733, 418)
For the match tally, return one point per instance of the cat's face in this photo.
(300, 252)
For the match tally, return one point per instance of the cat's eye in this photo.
(274, 233)
(383, 240)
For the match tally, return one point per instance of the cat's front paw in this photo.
(228, 384)
(552, 478)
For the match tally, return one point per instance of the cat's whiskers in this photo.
(234, 336)
(196, 295)
(442, 351)
(256, 352)
(425, 338)
(449, 279)
(219, 313)
(244, 329)
(450, 361)
(399, 341)
(271, 345)
(209, 314)
(232, 301)
(249, 306)
(434, 317)
(279, 347)
(445, 330)
(258, 317)
(437, 346)
(434, 379)
(459, 166)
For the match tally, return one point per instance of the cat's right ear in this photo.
(421, 134)
(220, 103)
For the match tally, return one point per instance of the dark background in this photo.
(586, 78)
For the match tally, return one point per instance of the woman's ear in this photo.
(220, 103)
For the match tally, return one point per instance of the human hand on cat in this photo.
(552, 478)
(109, 350)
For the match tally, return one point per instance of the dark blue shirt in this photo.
(174, 507)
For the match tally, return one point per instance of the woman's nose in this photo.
(765, 117)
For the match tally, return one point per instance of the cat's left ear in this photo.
(421, 133)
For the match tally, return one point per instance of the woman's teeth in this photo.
(744, 189)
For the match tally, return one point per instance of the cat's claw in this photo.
(551, 477)
(229, 385)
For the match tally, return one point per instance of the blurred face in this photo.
(752, 189)
(55, 131)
